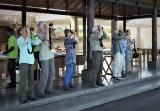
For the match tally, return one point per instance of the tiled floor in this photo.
(9, 97)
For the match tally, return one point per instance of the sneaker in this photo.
(100, 84)
(72, 86)
(121, 78)
(32, 98)
(48, 92)
(9, 83)
(41, 95)
(23, 100)
(115, 78)
(123, 75)
(11, 86)
(94, 86)
(67, 88)
(12, 83)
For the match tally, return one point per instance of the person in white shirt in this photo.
(47, 75)
(96, 57)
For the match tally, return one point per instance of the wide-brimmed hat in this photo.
(67, 31)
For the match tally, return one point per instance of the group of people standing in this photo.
(32, 45)
(122, 46)
(36, 45)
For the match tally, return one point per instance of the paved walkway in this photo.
(9, 97)
(148, 101)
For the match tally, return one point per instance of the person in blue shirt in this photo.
(26, 65)
(70, 59)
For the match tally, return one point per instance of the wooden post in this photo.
(90, 24)
(47, 5)
(113, 27)
(84, 27)
(76, 26)
(66, 5)
(24, 10)
(154, 64)
(154, 32)
(124, 19)
(124, 24)
(84, 35)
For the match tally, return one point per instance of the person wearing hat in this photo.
(70, 58)
(96, 58)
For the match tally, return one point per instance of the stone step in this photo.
(88, 98)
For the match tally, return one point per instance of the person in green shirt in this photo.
(12, 54)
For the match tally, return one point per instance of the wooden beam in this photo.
(107, 17)
(140, 17)
(99, 7)
(11, 7)
(39, 10)
(117, 2)
(84, 6)
(131, 3)
(112, 9)
(124, 18)
(47, 5)
(139, 11)
(67, 5)
(24, 13)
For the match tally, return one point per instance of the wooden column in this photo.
(154, 32)
(76, 26)
(90, 24)
(84, 35)
(139, 37)
(124, 24)
(47, 5)
(24, 12)
(113, 27)
(124, 18)
(84, 27)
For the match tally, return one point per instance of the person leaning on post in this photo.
(96, 56)
(26, 65)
